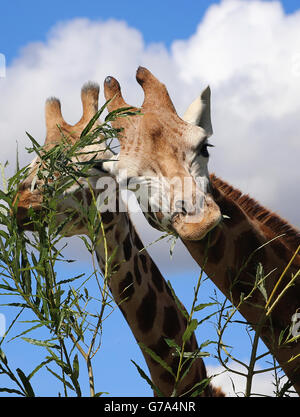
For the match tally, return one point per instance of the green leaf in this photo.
(65, 281)
(60, 378)
(172, 344)
(207, 317)
(178, 302)
(207, 343)
(172, 245)
(16, 305)
(86, 293)
(91, 123)
(3, 357)
(43, 343)
(36, 146)
(87, 243)
(191, 359)
(202, 306)
(261, 283)
(11, 391)
(201, 387)
(122, 112)
(61, 226)
(26, 383)
(191, 355)
(5, 197)
(8, 288)
(4, 234)
(189, 330)
(75, 367)
(28, 330)
(4, 182)
(37, 368)
(157, 358)
(146, 378)
(98, 394)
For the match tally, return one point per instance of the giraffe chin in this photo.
(188, 228)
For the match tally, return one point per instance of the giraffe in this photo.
(138, 287)
(239, 242)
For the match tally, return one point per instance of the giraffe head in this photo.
(164, 158)
(30, 192)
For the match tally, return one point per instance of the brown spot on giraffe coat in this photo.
(171, 324)
(146, 311)
(137, 273)
(126, 287)
(127, 247)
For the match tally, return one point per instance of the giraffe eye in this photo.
(203, 150)
(99, 166)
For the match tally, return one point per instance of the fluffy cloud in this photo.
(246, 51)
(234, 385)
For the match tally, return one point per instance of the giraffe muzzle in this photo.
(190, 226)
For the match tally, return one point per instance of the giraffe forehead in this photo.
(170, 131)
(166, 151)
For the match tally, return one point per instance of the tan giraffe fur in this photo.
(249, 226)
(149, 306)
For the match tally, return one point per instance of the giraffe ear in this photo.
(198, 113)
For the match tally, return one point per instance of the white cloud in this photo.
(234, 384)
(246, 50)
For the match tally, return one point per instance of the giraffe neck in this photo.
(233, 256)
(147, 303)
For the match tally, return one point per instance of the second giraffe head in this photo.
(165, 158)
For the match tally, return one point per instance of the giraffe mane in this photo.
(256, 211)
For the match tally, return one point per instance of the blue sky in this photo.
(158, 21)
(246, 73)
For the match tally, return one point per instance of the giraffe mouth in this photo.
(196, 226)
